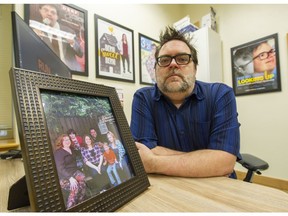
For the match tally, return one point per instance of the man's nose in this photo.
(173, 63)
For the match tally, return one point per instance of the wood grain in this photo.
(176, 194)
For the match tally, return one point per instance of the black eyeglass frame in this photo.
(258, 56)
(174, 57)
(268, 53)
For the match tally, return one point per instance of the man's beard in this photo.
(187, 82)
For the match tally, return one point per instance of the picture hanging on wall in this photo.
(255, 66)
(114, 50)
(64, 29)
(147, 49)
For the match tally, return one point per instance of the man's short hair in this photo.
(170, 34)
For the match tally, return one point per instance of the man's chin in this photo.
(174, 87)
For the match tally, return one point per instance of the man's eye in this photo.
(164, 60)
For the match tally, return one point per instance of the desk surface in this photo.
(173, 194)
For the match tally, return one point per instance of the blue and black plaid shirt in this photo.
(206, 120)
(92, 155)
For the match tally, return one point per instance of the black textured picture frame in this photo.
(44, 190)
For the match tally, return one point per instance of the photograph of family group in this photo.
(89, 154)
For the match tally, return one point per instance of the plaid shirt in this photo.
(93, 155)
(207, 119)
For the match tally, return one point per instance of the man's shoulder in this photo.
(214, 90)
(146, 89)
(213, 86)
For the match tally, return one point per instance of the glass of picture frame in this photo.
(47, 107)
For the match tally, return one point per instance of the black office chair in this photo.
(253, 164)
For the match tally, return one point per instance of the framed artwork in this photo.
(42, 59)
(114, 50)
(68, 131)
(63, 27)
(147, 49)
(256, 66)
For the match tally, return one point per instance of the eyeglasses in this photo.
(181, 59)
(265, 55)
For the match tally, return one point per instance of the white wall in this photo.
(263, 117)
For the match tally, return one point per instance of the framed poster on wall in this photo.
(114, 50)
(256, 66)
(147, 49)
(64, 29)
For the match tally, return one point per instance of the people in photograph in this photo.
(111, 160)
(182, 126)
(81, 39)
(150, 63)
(76, 139)
(71, 178)
(95, 138)
(243, 62)
(121, 156)
(77, 143)
(93, 159)
(264, 58)
(61, 39)
(125, 53)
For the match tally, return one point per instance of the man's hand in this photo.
(147, 157)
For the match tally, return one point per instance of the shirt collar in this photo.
(196, 93)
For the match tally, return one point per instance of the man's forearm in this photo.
(201, 163)
(159, 150)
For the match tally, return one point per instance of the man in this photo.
(61, 39)
(243, 62)
(264, 58)
(264, 63)
(184, 127)
(95, 139)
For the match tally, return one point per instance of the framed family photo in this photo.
(147, 49)
(78, 151)
(114, 50)
(256, 66)
(63, 27)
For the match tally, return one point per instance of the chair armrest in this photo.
(253, 163)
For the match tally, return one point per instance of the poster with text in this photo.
(147, 49)
(114, 51)
(255, 66)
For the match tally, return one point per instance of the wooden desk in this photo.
(173, 194)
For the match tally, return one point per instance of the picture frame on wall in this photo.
(256, 66)
(147, 49)
(65, 32)
(58, 119)
(114, 48)
(42, 59)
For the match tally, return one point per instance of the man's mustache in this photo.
(173, 72)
